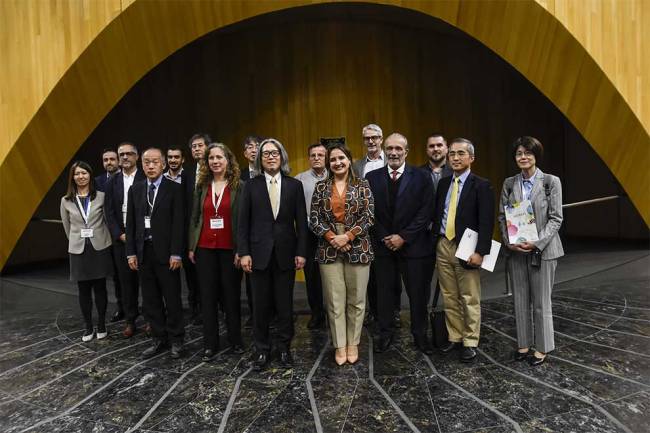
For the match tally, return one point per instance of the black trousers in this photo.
(86, 288)
(249, 293)
(161, 297)
(312, 278)
(193, 286)
(219, 283)
(272, 288)
(396, 291)
(416, 274)
(116, 283)
(129, 283)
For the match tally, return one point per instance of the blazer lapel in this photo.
(469, 184)
(538, 185)
(518, 194)
(406, 177)
(162, 191)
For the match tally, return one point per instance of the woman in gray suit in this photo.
(532, 264)
(89, 241)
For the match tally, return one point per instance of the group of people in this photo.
(359, 229)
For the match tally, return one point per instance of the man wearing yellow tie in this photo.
(463, 201)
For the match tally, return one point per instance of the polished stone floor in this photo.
(598, 379)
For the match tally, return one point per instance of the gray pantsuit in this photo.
(532, 286)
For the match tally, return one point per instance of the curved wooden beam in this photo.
(524, 33)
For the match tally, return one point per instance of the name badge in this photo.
(86, 233)
(216, 223)
(147, 222)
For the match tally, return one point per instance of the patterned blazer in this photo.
(359, 217)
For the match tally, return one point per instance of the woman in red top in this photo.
(212, 238)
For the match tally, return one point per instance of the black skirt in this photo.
(91, 264)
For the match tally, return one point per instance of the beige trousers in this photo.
(344, 295)
(461, 291)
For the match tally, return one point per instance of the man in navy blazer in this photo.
(117, 189)
(155, 233)
(463, 201)
(402, 240)
(272, 244)
(111, 166)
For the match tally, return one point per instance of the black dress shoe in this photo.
(119, 315)
(397, 319)
(286, 360)
(449, 347)
(467, 354)
(249, 323)
(208, 355)
(260, 361)
(237, 349)
(383, 344)
(157, 348)
(534, 361)
(176, 350)
(316, 322)
(424, 346)
(521, 356)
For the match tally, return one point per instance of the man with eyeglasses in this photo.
(249, 146)
(198, 145)
(309, 178)
(463, 201)
(117, 193)
(272, 244)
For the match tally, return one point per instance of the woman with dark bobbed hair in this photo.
(342, 212)
(213, 243)
(532, 264)
(89, 241)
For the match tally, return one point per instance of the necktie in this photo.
(450, 228)
(273, 195)
(152, 196)
(528, 187)
(394, 175)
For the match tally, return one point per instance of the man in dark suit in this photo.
(272, 244)
(463, 201)
(250, 145)
(401, 240)
(111, 166)
(117, 188)
(155, 231)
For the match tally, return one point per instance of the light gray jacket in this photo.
(73, 223)
(546, 198)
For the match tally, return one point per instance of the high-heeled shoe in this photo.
(534, 360)
(340, 356)
(353, 354)
(522, 356)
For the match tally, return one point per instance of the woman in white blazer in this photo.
(89, 241)
(532, 264)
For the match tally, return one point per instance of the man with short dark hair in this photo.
(111, 165)
(250, 145)
(402, 242)
(309, 178)
(175, 160)
(436, 166)
(272, 244)
(463, 201)
(155, 226)
(116, 202)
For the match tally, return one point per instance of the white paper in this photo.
(467, 247)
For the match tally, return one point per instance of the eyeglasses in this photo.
(317, 156)
(460, 154)
(522, 154)
(372, 138)
(271, 153)
(123, 154)
(196, 145)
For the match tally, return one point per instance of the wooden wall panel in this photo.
(70, 61)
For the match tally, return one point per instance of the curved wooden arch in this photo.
(523, 33)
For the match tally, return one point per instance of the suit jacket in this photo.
(100, 182)
(114, 200)
(259, 234)
(196, 219)
(73, 222)
(475, 210)
(446, 172)
(167, 221)
(359, 218)
(414, 204)
(360, 164)
(547, 209)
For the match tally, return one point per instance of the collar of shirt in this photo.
(380, 157)
(277, 177)
(168, 175)
(317, 176)
(400, 170)
(463, 176)
(532, 178)
(130, 176)
(155, 182)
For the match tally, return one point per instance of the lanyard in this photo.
(84, 212)
(220, 195)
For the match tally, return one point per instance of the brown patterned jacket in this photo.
(359, 217)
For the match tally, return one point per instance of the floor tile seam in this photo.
(25, 364)
(607, 402)
(474, 397)
(310, 390)
(618, 265)
(608, 329)
(578, 364)
(347, 413)
(474, 430)
(631, 307)
(68, 411)
(597, 407)
(600, 313)
(34, 344)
